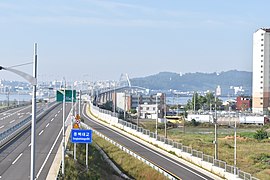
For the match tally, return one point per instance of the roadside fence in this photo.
(207, 158)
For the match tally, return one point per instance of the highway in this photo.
(11, 117)
(179, 170)
(15, 158)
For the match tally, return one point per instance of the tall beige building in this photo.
(261, 71)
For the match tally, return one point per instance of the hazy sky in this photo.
(100, 39)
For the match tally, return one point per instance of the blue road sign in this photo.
(81, 136)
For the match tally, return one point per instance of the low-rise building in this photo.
(243, 103)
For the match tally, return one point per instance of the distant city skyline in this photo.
(100, 39)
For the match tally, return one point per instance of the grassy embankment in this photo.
(99, 169)
(253, 156)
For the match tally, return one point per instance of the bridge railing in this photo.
(186, 149)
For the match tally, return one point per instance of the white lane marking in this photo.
(20, 116)
(58, 111)
(145, 147)
(29, 145)
(2, 127)
(16, 159)
(47, 124)
(52, 119)
(55, 115)
(40, 132)
(12, 121)
(49, 153)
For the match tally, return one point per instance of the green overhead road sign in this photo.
(59, 95)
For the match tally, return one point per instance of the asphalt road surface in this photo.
(179, 170)
(15, 158)
(11, 117)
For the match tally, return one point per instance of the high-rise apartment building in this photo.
(261, 71)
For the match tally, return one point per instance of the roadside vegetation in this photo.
(253, 144)
(98, 168)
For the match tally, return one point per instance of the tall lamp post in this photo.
(33, 81)
(63, 124)
(138, 112)
(234, 146)
(217, 93)
(158, 94)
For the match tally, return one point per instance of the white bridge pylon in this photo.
(124, 80)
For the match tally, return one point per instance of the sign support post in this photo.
(86, 156)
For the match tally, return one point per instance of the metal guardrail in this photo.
(210, 159)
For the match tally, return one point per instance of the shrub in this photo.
(194, 122)
(261, 134)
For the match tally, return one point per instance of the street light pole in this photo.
(158, 94)
(216, 143)
(125, 107)
(33, 129)
(33, 81)
(157, 116)
(218, 93)
(138, 113)
(165, 114)
(80, 102)
(195, 103)
(63, 140)
(235, 146)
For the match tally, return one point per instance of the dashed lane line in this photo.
(41, 132)
(17, 159)
(11, 121)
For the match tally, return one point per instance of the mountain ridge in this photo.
(197, 81)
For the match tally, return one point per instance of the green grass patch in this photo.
(127, 163)
(98, 168)
(252, 155)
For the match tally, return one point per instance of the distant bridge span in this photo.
(107, 94)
